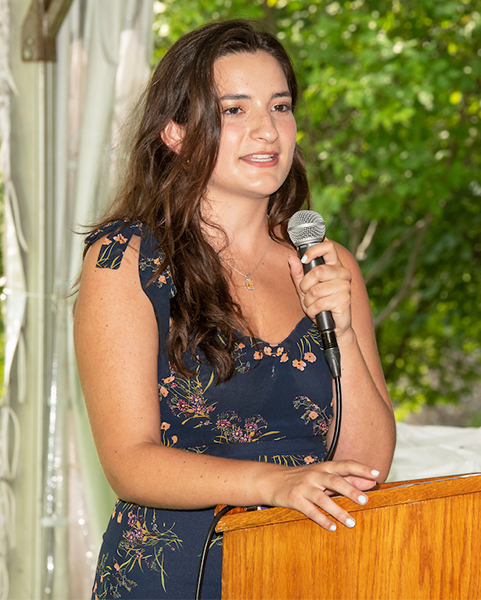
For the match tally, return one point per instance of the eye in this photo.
(283, 107)
(232, 110)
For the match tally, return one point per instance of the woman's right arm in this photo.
(116, 343)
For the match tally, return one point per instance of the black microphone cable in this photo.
(337, 421)
(205, 549)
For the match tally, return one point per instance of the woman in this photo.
(192, 299)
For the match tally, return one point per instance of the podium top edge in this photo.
(385, 495)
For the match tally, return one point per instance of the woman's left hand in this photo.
(325, 287)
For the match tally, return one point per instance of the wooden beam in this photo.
(40, 28)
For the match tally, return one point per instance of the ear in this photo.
(172, 136)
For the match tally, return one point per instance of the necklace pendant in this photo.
(250, 284)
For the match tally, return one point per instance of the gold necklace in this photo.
(249, 283)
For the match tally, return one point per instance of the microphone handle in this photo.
(324, 320)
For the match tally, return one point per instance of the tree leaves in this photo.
(389, 125)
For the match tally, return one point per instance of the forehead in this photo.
(236, 72)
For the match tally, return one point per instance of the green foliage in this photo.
(389, 126)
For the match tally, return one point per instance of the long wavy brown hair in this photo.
(164, 189)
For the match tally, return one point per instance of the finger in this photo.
(324, 274)
(335, 482)
(311, 510)
(310, 507)
(297, 273)
(345, 468)
(336, 511)
(329, 295)
(326, 249)
(361, 483)
(341, 485)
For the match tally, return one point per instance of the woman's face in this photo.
(258, 133)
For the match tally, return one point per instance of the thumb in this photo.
(297, 272)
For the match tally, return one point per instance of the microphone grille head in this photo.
(306, 226)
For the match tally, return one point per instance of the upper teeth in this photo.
(261, 156)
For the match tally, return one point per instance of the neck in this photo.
(244, 225)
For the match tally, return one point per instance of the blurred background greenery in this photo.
(389, 125)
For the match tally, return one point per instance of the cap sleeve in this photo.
(117, 236)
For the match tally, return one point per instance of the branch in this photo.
(422, 227)
(361, 251)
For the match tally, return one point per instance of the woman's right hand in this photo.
(309, 488)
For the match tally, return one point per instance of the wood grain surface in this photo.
(413, 540)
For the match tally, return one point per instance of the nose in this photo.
(263, 126)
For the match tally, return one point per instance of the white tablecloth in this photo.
(432, 451)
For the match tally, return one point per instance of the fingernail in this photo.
(362, 499)
(304, 259)
(350, 522)
(375, 472)
(332, 528)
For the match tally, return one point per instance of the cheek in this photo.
(229, 140)
(294, 131)
(290, 133)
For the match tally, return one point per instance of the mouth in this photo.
(261, 158)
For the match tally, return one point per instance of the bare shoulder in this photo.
(348, 260)
(111, 301)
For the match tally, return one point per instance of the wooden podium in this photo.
(417, 539)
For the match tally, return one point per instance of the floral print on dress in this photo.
(112, 252)
(143, 545)
(276, 352)
(239, 354)
(313, 415)
(305, 346)
(113, 249)
(185, 398)
(114, 244)
(152, 265)
(289, 460)
(165, 438)
(233, 432)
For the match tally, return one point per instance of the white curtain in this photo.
(13, 305)
(103, 62)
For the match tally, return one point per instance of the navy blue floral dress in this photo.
(277, 408)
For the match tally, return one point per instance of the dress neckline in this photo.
(304, 322)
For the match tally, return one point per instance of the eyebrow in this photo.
(286, 94)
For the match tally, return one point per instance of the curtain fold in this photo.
(103, 62)
(108, 45)
(13, 309)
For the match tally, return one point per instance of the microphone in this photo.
(306, 228)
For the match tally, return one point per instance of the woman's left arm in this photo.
(367, 428)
